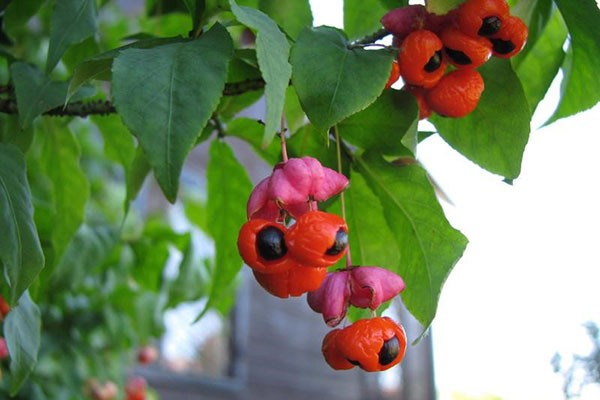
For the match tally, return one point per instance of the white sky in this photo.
(530, 275)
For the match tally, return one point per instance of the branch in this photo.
(104, 107)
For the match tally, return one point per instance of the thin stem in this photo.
(338, 148)
(284, 155)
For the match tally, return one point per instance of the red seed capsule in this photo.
(464, 51)
(511, 38)
(294, 282)
(482, 17)
(262, 246)
(420, 59)
(457, 94)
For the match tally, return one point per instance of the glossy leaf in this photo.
(36, 93)
(20, 250)
(72, 22)
(22, 330)
(334, 80)
(495, 134)
(388, 125)
(177, 87)
(291, 16)
(228, 185)
(362, 17)
(272, 50)
(580, 87)
(429, 246)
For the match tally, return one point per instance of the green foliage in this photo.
(85, 238)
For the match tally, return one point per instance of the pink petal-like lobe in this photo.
(372, 286)
(331, 299)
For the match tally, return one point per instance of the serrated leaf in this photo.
(20, 251)
(386, 125)
(228, 186)
(70, 186)
(72, 22)
(177, 87)
(362, 17)
(429, 246)
(495, 134)
(334, 80)
(580, 88)
(292, 16)
(22, 330)
(272, 50)
(37, 94)
(542, 62)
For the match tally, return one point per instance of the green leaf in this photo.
(250, 131)
(190, 283)
(70, 186)
(441, 7)
(37, 94)
(119, 144)
(429, 246)
(177, 87)
(580, 87)
(20, 251)
(72, 22)
(536, 15)
(362, 17)
(292, 16)
(334, 80)
(136, 175)
(17, 14)
(386, 125)
(495, 134)
(542, 62)
(228, 185)
(22, 330)
(272, 50)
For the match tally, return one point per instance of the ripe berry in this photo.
(394, 75)
(420, 59)
(482, 17)
(147, 355)
(294, 282)
(464, 51)
(317, 239)
(420, 93)
(374, 344)
(511, 38)
(261, 245)
(457, 93)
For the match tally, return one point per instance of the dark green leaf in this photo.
(272, 50)
(228, 186)
(20, 250)
(17, 13)
(429, 246)
(388, 125)
(333, 80)
(495, 134)
(362, 17)
(136, 175)
(11, 132)
(37, 94)
(177, 87)
(542, 62)
(292, 16)
(22, 330)
(72, 22)
(580, 87)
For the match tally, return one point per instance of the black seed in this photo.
(341, 241)
(270, 244)
(434, 62)
(354, 362)
(502, 46)
(389, 351)
(490, 26)
(457, 56)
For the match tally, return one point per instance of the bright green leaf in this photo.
(386, 125)
(136, 175)
(20, 250)
(228, 183)
(72, 22)
(119, 144)
(191, 281)
(177, 87)
(36, 93)
(292, 16)
(441, 7)
(22, 330)
(429, 246)
(334, 80)
(536, 15)
(495, 134)
(580, 87)
(362, 18)
(272, 50)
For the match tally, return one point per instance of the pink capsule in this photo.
(371, 286)
(331, 299)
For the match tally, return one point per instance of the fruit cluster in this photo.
(289, 244)
(439, 54)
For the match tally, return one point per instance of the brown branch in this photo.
(104, 107)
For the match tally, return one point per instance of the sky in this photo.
(529, 277)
